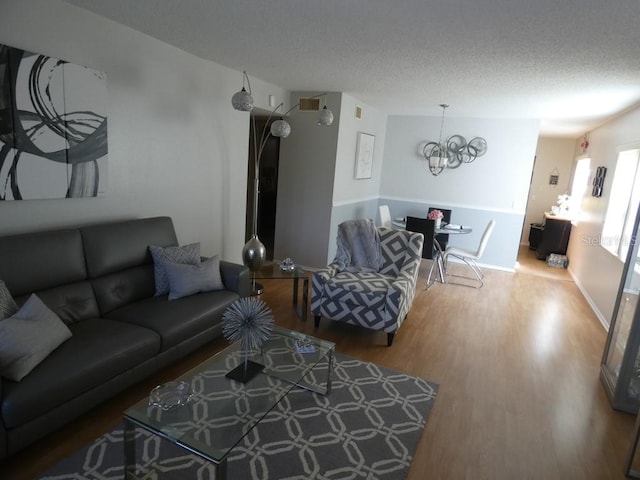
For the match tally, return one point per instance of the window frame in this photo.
(617, 227)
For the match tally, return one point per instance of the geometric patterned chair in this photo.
(378, 300)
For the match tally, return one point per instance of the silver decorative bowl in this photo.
(170, 395)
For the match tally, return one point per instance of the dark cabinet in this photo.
(555, 236)
(535, 234)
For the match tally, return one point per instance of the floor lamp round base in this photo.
(257, 288)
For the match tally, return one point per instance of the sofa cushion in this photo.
(28, 337)
(178, 320)
(121, 288)
(185, 280)
(72, 302)
(185, 254)
(41, 260)
(116, 246)
(7, 304)
(99, 350)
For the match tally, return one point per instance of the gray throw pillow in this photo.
(28, 337)
(187, 280)
(7, 304)
(186, 254)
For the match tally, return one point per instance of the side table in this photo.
(272, 271)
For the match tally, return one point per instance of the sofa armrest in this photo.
(3, 434)
(236, 278)
(321, 275)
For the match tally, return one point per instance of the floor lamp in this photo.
(254, 252)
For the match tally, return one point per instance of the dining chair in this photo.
(385, 216)
(470, 257)
(430, 249)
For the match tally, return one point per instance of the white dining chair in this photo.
(470, 257)
(385, 216)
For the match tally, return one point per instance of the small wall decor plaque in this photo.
(598, 181)
(554, 176)
(364, 155)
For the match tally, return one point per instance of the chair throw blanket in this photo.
(358, 246)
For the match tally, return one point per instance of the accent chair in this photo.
(374, 298)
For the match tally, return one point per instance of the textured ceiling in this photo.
(570, 63)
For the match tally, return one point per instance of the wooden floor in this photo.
(517, 363)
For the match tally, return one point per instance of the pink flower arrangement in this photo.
(435, 215)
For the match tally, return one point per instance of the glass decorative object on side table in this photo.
(287, 265)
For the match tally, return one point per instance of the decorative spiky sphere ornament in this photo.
(248, 320)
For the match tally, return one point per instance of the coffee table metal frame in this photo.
(210, 425)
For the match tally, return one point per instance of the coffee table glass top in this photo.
(222, 411)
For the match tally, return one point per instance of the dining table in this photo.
(445, 228)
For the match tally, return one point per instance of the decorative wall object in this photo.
(53, 127)
(454, 151)
(584, 145)
(554, 176)
(364, 155)
(598, 181)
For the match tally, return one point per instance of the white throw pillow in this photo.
(186, 254)
(28, 337)
(187, 280)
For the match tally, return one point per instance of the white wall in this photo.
(552, 154)
(346, 187)
(316, 185)
(176, 146)
(305, 186)
(356, 198)
(495, 185)
(596, 271)
(499, 179)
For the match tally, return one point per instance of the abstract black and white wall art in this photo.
(53, 128)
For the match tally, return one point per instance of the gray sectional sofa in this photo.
(99, 279)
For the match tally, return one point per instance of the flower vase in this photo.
(438, 222)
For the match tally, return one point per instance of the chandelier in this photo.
(453, 152)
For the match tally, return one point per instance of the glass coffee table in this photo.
(221, 411)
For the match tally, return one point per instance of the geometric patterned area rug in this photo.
(368, 427)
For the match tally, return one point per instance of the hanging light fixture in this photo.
(454, 152)
(325, 116)
(436, 153)
(254, 251)
(242, 100)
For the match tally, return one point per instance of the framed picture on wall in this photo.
(53, 127)
(364, 155)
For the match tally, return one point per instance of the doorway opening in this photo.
(268, 184)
